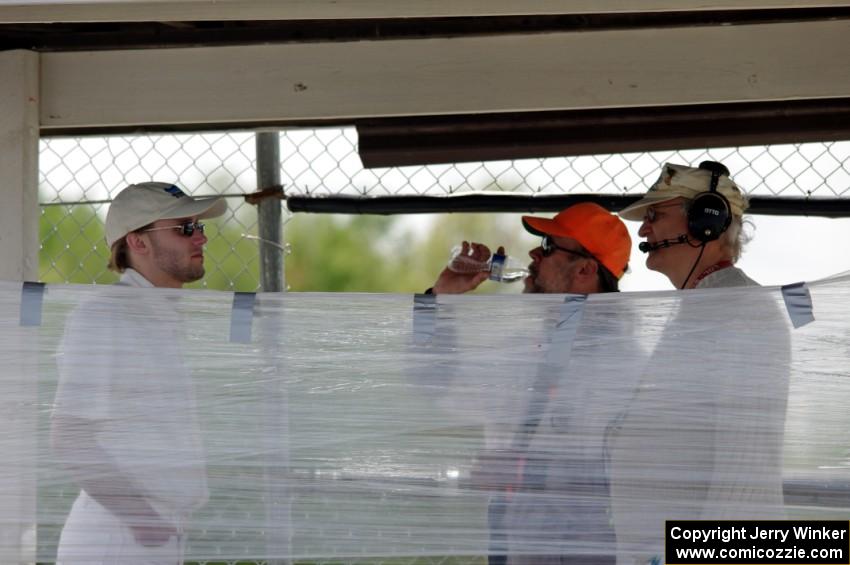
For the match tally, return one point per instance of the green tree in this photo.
(389, 254)
(403, 253)
(343, 254)
(72, 246)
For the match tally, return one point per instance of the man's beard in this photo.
(563, 284)
(530, 283)
(531, 288)
(168, 260)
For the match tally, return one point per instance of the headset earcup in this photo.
(709, 216)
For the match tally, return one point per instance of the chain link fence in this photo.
(80, 176)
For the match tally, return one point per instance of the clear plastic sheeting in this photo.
(357, 427)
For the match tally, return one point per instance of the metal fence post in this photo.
(270, 229)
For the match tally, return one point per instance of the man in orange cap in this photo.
(585, 249)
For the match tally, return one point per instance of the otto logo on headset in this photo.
(709, 214)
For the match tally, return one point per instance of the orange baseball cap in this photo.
(603, 234)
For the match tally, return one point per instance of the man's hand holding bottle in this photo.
(471, 264)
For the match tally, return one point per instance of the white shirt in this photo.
(702, 438)
(121, 367)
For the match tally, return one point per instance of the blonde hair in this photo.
(119, 259)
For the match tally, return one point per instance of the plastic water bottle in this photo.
(502, 268)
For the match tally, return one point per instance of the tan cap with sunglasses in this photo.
(600, 232)
(141, 204)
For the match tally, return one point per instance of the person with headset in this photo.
(702, 436)
(692, 222)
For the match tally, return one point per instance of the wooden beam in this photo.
(398, 142)
(286, 84)
(534, 203)
(48, 11)
(19, 216)
(19, 165)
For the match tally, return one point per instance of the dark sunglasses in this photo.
(186, 228)
(549, 246)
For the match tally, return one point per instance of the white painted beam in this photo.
(18, 260)
(42, 11)
(257, 85)
(19, 213)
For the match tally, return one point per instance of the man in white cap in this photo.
(153, 231)
(124, 423)
(692, 222)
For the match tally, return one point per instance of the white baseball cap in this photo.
(686, 182)
(141, 204)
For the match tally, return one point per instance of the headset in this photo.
(709, 214)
